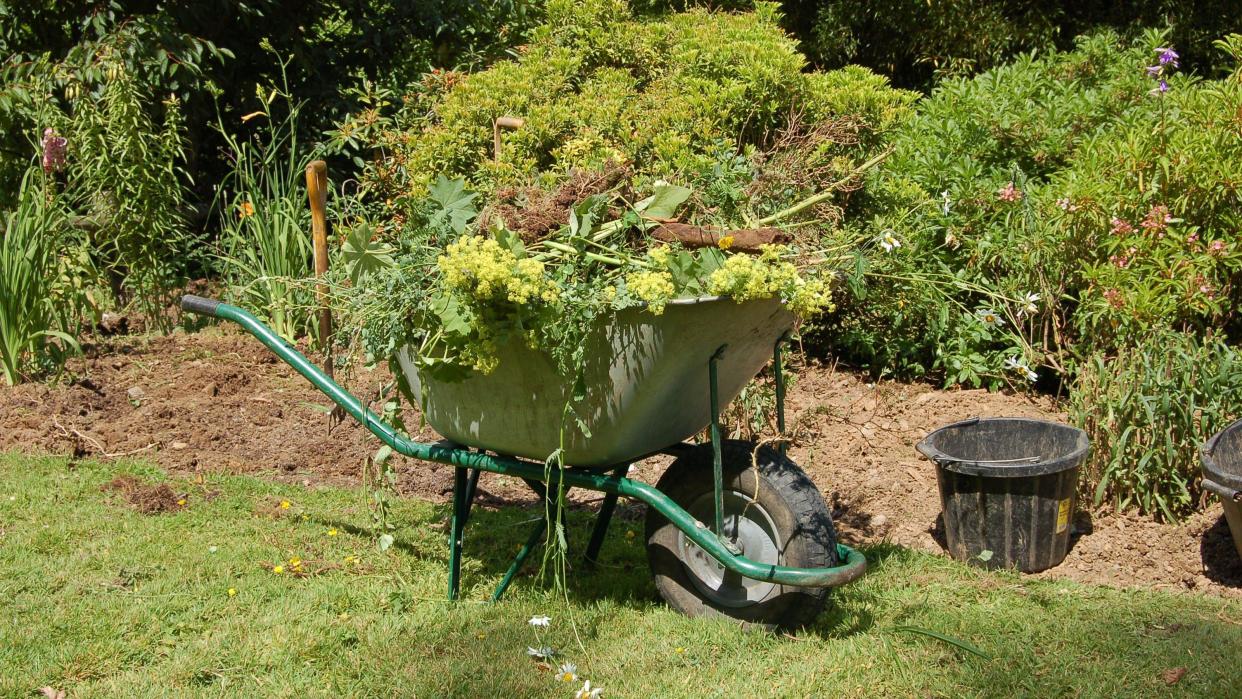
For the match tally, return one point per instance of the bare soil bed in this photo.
(219, 401)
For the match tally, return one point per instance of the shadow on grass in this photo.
(849, 608)
(620, 575)
(494, 535)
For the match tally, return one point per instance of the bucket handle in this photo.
(1223, 491)
(943, 460)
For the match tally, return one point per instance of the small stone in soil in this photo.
(136, 393)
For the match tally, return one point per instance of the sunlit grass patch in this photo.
(99, 599)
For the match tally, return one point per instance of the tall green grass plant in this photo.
(33, 329)
(265, 246)
(1147, 410)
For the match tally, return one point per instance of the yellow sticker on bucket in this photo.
(1063, 513)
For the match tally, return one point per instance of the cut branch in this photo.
(744, 239)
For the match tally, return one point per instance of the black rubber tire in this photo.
(803, 525)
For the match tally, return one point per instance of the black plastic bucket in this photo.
(1007, 489)
(1222, 474)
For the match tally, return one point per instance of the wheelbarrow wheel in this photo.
(772, 511)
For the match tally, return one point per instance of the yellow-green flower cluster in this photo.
(654, 287)
(481, 354)
(660, 256)
(480, 268)
(744, 277)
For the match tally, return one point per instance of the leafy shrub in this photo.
(917, 42)
(662, 93)
(121, 175)
(213, 55)
(1154, 203)
(1146, 411)
(125, 178)
(56, 53)
(1003, 192)
(963, 248)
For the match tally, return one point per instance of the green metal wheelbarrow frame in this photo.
(469, 464)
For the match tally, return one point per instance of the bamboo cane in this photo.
(317, 192)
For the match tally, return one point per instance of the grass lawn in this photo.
(100, 600)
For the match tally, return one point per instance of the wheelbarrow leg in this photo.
(605, 517)
(536, 535)
(778, 378)
(464, 482)
(472, 484)
(714, 430)
(717, 466)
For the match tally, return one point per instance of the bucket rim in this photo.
(1023, 468)
(1211, 468)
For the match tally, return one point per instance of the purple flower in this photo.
(1164, 86)
(1154, 71)
(53, 151)
(1168, 56)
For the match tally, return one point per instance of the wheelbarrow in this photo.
(733, 529)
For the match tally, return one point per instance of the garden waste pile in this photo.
(657, 158)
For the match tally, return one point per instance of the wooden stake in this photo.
(508, 123)
(317, 192)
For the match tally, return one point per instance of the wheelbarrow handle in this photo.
(200, 305)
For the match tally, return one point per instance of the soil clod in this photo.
(147, 498)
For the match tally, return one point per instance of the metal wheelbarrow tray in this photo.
(646, 387)
(733, 529)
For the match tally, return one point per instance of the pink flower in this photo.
(1121, 261)
(1157, 220)
(1067, 205)
(54, 148)
(1009, 193)
(1217, 248)
(1121, 227)
(1114, 298)
(1192, 238)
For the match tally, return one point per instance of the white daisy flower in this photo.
(542, 653)
(588, 692)
(1021, 368)
(889, 242)
(567, 673)
(540, 620)
(1030, 304)
(989, 317)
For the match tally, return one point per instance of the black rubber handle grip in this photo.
(199, 305)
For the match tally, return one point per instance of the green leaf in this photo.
(947, 639)
(363, 255)
(582, 218)
(664, 202)
(457, 209)
(452, 315)
(385, 542)
(509, 239)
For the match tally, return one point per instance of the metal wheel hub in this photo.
(748, 526)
